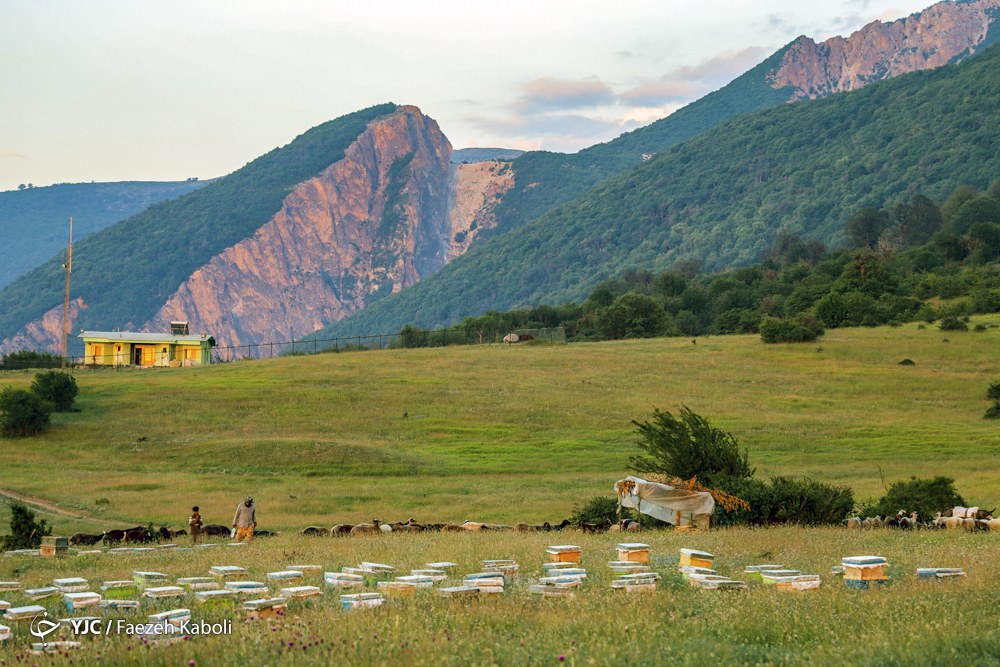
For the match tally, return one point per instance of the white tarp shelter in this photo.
(666, 503)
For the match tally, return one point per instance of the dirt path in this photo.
(52, 509)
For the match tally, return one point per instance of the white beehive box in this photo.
(715, 584)
(561, 582)
(71, 585)
(443, 565)
(802, 582)
(647, 586)
(161, 592)
(300, 593)
(550, 591)
(5, 633)
(23, 613)
(458, 592)
(227, 572)
(285, 576)
(418, 580)
(198, 583)
(10, 586)
(218, 598)
(343, 580)
(81, 600)
(308, 570)
(246, 587)
(149, 578)
(435, 575)
(174, 617)
(377, 567)
(119, 605)
(266, 603)
(4, 606)
(35, 594)
(360, 600)
(550, 566)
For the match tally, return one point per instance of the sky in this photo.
(106, 90)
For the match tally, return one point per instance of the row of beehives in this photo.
(60, 550)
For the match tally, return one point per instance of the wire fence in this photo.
(409, 337)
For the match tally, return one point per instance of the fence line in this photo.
(408, 338)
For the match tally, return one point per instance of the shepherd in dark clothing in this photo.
(195, 524)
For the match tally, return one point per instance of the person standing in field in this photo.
(195, 523)
(245, 520)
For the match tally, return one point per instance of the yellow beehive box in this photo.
(564, 553)
(634, 552)
(695, 558)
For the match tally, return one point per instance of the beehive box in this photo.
(27, 613)
(550, 591)
(507, 567)
(163, 592)
(714, 584)
(695, 558)
(561, 582)
(174, 617)
(694, 579)
(435, 575)
(418, 580)
(633, 551)
(300, 593)
(68, 623)
(642, 576)
(447, 566)
(266, 608)
(81, 600)
(6, 586)
(227, 572)
(577, 572)
(5, 633)
(94, 552)
(54, 546)
(343, 580)
(754, 571)
(35, 594)
(166, 546)
(47, 648)
(458, 592)
(688, 570)
(4, 606)
(118, 590)
(360, 600)
(246, 587)
(287, 577)
(864, 568)
(119, 605)
(71, 584)
(802, 582)
(620, 567)
(648, 586)
(198, 583)
(939, 573)
(555, 566)
(218, 599)
(308, 570)
(377, 567)
(564, 553)
(768, 577)
(865, 584)
(837, 571)
(209, 545)
(144, 579)
(397, 588)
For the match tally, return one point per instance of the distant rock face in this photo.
(370, 224)
(944, 33)
(476, 190)
(46, 332)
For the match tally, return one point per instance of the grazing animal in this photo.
(314, 531)
(86, 539)
(452, 528)
(524, 337)
(385, 528)
(214, 530)
(263, 533)
(953, 522)
(991, 524)
(138, 536)
(367, 528)
(562, 525)
(524, 528)
(595, 527)
(634, 527)
(342, 529)
(969, 524)
(853, 523)
(472, 526)
(415, 525)
(114, 536)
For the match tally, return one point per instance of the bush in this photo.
(25, 532)
(22, 413)
(952, 323)
(597, 510)
(773, 330)
(993, 391)
(993, 412)
(632, 315)
(57, 388)
(690, 447)
(15, 361)
(924, 496)
(787, 500)
(411, 336)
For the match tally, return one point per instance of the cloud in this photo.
(688, 83)
(549, 94)
(11, 154)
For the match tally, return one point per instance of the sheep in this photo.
(953, 522)
(634, 527)
(341, 529)
(853, 523)
(524, 528)
(372, 528)
(991, 524)
(452, 528)
(314, 531)
(472, 526)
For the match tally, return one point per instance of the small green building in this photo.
(125, 348)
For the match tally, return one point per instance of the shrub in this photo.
(22, 413)
(14, 361)
(773, 330)
(738, 321)
(57, 388)
(632, 315)
(952, 323)
(787, 500)
(993, 412)
(411, 336)
(25, 532)
(689, 446)
(924, 496)
(993, 391)
(597, 510)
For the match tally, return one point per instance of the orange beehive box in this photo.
(564, 553)
(695, 558)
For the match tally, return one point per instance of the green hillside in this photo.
(557, 178)
(34, 223)
(125, 272)
(724, 196)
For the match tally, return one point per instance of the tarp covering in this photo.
(669, 504)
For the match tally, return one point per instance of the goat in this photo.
(372, 528)
(452, 528)
(562, 525)
(524, 528)
(341, 529)
(86, 539)
(214, 529)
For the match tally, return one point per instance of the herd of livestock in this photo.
(967, 518)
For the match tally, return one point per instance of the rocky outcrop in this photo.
(476, 190)
(941, 34)
(46, 332)
(370, 224)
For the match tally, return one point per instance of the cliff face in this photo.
(944, 33)
(46, 332)
(476, 189)
(370, 224)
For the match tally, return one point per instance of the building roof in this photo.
(140, 337)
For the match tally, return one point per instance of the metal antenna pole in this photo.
(69, 269)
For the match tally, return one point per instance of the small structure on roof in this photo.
(125, 348)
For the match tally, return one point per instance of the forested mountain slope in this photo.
(723, 196)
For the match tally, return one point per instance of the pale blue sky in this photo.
(111, 90)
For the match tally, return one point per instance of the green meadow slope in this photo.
(506, 433)
(725, 195)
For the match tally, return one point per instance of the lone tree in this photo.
(688, 446)
(57, 388)
(22, 413)
(25, 532)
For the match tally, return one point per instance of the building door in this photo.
(137, 356)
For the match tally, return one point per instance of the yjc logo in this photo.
(41, 627)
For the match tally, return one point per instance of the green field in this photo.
(908, 623)
(505, 434)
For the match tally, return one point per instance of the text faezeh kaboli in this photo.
(187, 627)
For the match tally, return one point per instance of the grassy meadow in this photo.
(503, 434)
(908, 623)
